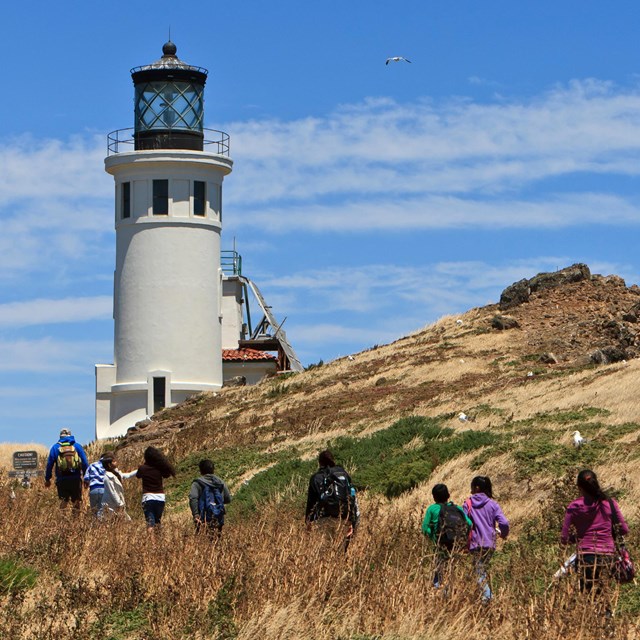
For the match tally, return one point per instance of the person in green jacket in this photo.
(447, 525)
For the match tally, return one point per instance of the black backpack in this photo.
(337, 494)
(452, 527)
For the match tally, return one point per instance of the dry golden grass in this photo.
(268, 577)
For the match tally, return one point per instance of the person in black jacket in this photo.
(332, 496)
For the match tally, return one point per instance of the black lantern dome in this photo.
(169, 103)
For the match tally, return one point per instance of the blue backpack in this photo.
(211, 504)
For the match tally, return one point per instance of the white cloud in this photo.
(47, 355)
(45, 311)
(447, 212)
(380, 146)
(51, 169)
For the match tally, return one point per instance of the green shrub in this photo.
(15, 576)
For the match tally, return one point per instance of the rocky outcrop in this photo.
(515, 294)
(520, 292)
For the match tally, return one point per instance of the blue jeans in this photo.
(594, 570)
(153, 510)
(481, 559)
(95, 499)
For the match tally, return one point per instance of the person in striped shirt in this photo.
(94, 481)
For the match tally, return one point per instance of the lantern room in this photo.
(169, 103)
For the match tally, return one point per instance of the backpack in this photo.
(452, 527)
(337, 495)
(68, 461)
(211, 504)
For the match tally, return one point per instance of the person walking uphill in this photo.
(485, 513)
(70, 462)
(151, 472)
(331, 496)
(590, 522)
(94, 481)
(447, 525)
(207, 498)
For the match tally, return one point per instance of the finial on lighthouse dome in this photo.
(169, 49)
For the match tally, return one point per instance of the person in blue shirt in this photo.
(70, 462)
(94, 481)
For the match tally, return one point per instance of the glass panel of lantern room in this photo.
(169, 105)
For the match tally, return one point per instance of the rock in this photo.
(380, 382)
(548, 358)
(616, 281)
(607, 355)
(515, 294)
(503, 323)
(549, 280)
(237, 381)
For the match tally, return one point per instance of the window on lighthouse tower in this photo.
(199, 198)
(126, 199)
(160, 197)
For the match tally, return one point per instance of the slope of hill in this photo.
(523, 389)
(557, 354)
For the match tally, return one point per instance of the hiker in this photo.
(151, 472)
(485, 513)
(590, 522)
(332, 496)
(70, 463)
(113, 502)
(94, 481)
(207, 498)
(447, 525)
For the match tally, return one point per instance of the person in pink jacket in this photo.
(588, 523)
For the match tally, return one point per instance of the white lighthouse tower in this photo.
(168, 219)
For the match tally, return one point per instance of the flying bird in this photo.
(578, 440)
(397, 59)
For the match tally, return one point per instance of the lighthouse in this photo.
(167, 311)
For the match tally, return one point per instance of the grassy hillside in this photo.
(390, 414)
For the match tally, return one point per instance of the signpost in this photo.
(25, 460)
(25, 466)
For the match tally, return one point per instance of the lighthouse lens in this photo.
(169, 105)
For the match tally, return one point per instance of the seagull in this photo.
(578, 440)
(462, 417)
(459, 322)
(397, 59)
(350, 358)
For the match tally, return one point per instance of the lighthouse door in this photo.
(159, 391)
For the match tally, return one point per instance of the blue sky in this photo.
(367, 200)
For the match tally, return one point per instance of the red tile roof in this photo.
(242, 355)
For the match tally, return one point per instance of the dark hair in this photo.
(155, 458)
(482, 484)
(440, 493)
(588, 482)
(325, 459)
(107, 463)
(205, 466)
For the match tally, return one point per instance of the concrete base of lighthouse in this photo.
(120, 406)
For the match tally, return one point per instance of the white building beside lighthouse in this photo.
(168, 280)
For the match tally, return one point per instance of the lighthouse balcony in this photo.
(210, 140)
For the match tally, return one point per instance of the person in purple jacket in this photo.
(485, 513)
(588, 523)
